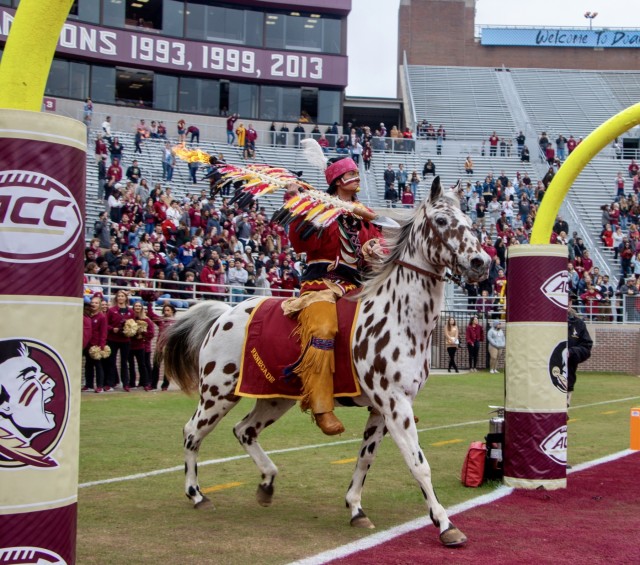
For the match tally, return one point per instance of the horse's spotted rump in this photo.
(227, 326)
(360, 350)
(380, 365)
(229, 369)
(368, 378)
(382, 342)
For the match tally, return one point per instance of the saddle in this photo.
(271, 345)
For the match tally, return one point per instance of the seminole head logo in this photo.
(34, 403)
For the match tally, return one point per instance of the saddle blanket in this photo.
(271, 345)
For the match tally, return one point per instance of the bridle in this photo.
(447, 277)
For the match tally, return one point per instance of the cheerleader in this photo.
(119, 339)
(95, 347)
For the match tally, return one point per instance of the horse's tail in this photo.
(182, 341)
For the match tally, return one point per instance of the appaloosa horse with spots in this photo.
(400, 305)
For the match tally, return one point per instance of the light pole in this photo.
(590, 16)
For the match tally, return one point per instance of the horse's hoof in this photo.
(264, 495)
(360, 520)
(204, 503)
(453, 537)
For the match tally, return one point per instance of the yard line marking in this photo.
(447, 442)
(344, 461)
(305, 447)
(245, 456)
(220, 487)
(610, 412)
(605, 402)
(386, 535)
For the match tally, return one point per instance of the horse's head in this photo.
(447, 236)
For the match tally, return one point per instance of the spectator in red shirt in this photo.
(493, 144)
(474, 335)
(633, 168)
(115, 170)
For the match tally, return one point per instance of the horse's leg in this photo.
(402, 428)
(264, 413)
(216, 399)
(373, 433)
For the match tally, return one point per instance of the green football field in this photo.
(132, 507)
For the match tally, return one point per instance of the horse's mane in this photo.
(395, 244)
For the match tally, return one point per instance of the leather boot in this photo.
(322, 405)
(329, 423)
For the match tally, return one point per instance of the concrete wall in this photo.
(616, 349)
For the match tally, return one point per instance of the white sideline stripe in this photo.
(605, 402)
(301, 448)
(386, 535)
(245, 456)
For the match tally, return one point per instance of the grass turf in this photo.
(149, 520)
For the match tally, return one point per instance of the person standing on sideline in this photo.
(452, 341)
(474, 335)
(497, 341)
(579, 346)
(117, 315)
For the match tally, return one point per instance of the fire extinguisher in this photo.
(495, 442)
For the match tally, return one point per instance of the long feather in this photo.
(313, 153)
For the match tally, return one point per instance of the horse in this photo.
(399, 307)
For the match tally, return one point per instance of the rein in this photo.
(455, 279)
(420, 270)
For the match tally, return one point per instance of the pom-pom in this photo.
(130, 328)
(142, 327)
(106, 352)
(95, 352)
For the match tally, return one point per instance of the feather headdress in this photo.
(316, 209)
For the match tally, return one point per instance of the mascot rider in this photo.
(335, 263)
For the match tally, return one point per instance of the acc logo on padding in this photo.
(554, 446)
(29, 556)
(556, 289)
(39, 217)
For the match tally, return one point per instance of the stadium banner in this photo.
(535, 451)
(42, 210)
(560, 37)
(123, 47)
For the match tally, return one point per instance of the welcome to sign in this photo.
(560, 37)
